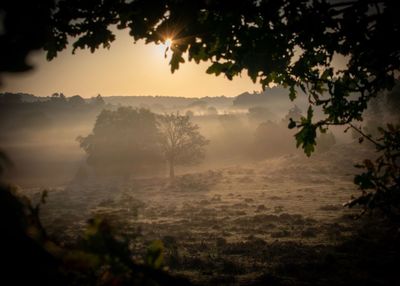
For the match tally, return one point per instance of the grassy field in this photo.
(274, 222)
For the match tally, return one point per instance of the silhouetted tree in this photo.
(248, 100)
(98, 100)
(10, 98)
(76, 100)
(58, 98)
(181, 141)
(123, 141)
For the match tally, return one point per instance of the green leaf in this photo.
(43, 197)
(215, 68)
(5, 162)
(364, 181)
(253, 74)
(310, 113)
(307, 135)
(306, 138)
(292, 93)
(327, 73)
(176, 59)
(154, 256)
(291, 124)
(303, 88)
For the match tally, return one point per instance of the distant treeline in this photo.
(9, 98)
(160, 102)
(19, 111)
(244, 100)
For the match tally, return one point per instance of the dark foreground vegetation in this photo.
(30, 257)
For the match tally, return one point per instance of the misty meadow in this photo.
(218, 182)
(291, 178)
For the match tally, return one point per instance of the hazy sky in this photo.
(125, 69)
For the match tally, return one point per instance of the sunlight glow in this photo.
(125, 69)
(168, 43)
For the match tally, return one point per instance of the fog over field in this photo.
(40, 133)
(241, 200)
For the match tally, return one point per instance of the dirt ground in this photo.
(275, 222)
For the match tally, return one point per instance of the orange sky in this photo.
(125, 69)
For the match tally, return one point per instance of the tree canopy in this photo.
(181, 141)
(124, 141)
(290, 43)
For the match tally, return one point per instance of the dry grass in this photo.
(270, 222)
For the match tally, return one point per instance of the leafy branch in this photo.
(380, 182)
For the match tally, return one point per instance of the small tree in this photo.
(180, 140)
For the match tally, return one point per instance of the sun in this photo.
(164, 47)
(168, 43)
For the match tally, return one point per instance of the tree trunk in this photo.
(171, 169)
